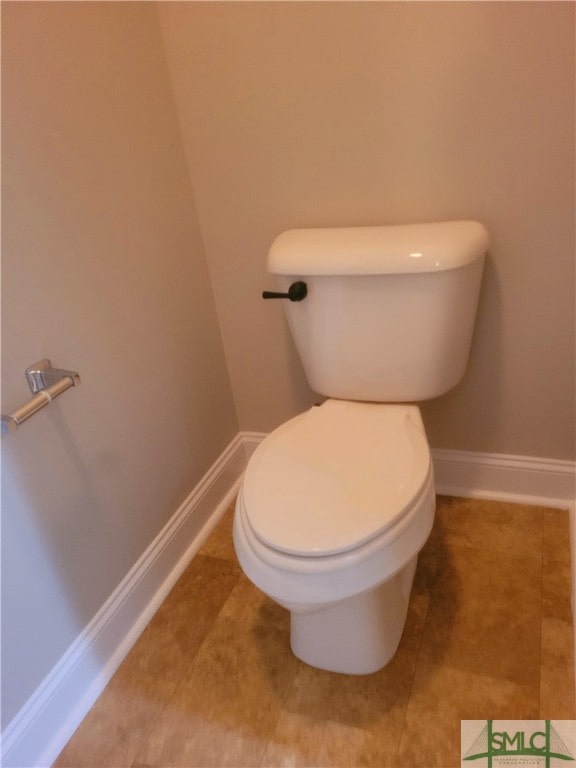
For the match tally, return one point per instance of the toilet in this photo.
(337, 502)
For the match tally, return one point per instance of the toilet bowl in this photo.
(334, 507)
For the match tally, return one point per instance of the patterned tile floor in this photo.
(212, 680)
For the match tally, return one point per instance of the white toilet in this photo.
(337, 502)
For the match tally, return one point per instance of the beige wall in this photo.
(326, 114)
(103, 271)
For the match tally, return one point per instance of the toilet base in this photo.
(356, 636)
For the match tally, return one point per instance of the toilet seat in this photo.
(335, 477)
(296, 580)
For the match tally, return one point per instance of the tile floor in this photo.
(212, 681)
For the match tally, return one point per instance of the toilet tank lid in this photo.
(397, 249)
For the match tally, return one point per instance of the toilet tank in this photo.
(389, 311)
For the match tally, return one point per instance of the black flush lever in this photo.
(296, 292)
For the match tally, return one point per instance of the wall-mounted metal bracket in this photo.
(42, 376)
(45, 383)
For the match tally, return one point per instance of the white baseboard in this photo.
(521, 479)
(252, 440)
(43, 726)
